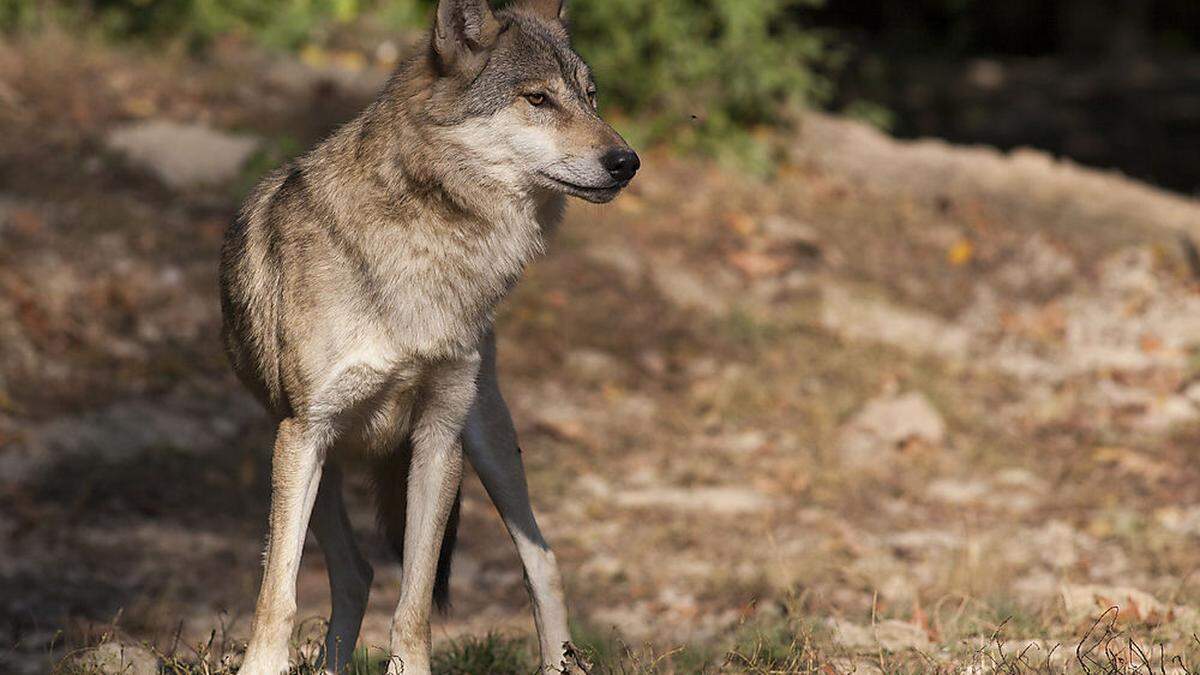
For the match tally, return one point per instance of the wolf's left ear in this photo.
(550, 9)
(463, 30)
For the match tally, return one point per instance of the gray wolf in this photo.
(359, 285)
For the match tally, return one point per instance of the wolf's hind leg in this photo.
(490, 442)
(350, 573)
(295, 475)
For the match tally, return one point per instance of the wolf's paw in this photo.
(260, 663)
(573, 662)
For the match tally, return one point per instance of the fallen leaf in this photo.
(758, 265)
(1133, 463)
(961, 253)
(741, 223)
(1151, 344)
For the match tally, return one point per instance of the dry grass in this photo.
(779, 646)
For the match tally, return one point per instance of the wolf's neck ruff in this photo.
(428, 220)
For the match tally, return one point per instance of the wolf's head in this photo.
(520, 104)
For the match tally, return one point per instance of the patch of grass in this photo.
(493, 653)
(776, 647)
(789, 643)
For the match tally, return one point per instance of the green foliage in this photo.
(705, 65)
(701, 73)
(276, 23)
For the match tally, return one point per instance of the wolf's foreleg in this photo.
(433, 482)
(295, 475)
(490, 442)
(350, 573)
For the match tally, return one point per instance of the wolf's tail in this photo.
(390, 478)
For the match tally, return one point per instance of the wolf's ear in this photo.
(463, 30)
(550, 9)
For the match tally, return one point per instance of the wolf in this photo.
(359, 285)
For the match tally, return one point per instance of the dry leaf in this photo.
(758, 265)
(961, 253)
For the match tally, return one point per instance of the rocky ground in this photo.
(911, 406)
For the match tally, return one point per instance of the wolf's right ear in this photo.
(462, 31)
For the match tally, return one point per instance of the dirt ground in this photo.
(934, 404)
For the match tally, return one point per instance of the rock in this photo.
(1137, 319)
(887, 423)
(687, 290)
(116, 658)
(1180, 521)
(622, 259)
(1057, 545)
(903, 418)
(630, 621)
(883, 574)
(605, 567)
(860, 666)
(927, 169)
(910, 330)
(555, 411)
(958, 492)
(986, 73)
(1165, 413)
(744, 443)
(892, 636)
(1036, 587)
(792, 233)
(723, 500)
(1020, 478)
(594, 365)
(1039, 266)
(594, 485)
(1084, 602)
(183, 155)
(913, 543)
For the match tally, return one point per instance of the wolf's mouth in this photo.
(590, 193)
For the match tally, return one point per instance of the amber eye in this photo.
(536, 100)
(592, 97)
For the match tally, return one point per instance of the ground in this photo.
(901, 407)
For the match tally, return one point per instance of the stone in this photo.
(114, 657)
(183, 155)
(872, 320)
(723, 500)
(891, 636)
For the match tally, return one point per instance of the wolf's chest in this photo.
(438, 293)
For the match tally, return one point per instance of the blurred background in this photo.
(889, 361)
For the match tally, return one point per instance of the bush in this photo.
(705, 65)
(275, 23)
(687, 70)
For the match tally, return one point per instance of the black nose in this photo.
(621, 164)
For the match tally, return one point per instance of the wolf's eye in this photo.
(592, 97)
(536, 100)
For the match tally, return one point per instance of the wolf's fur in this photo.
(359, 285)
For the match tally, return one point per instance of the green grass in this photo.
(492, 653)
